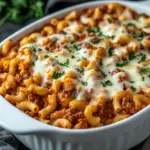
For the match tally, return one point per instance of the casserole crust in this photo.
(85, 70)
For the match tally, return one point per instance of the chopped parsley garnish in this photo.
(73, 56)
(97, 31)
(65, 64)
(107, 36)
(143, 78)
(36, 58)
(106, 83)
(102, 73)
(46, 56)
(84, 83)
(74, 94)
(109, 20)
(130, 24)
(140, 15)
(144, 71)
(39, 49)
(82, 58)
(65, 33)
(131, 81)
(110, 51)
(77, 47)
(80, 70)
(133, 88)
(96, 41)
(33, 63)
(70, 49)
(139, 35)
(121, 64)
(142, 57)
(132, 55)
(101, 62)
(72, 42)
(33, 48)
(57, 75)
(94, 30)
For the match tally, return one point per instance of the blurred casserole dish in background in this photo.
(82, 70)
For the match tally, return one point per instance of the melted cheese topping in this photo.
(114, 73)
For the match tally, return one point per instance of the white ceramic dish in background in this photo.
(39, 136)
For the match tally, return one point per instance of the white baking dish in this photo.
(39, 136)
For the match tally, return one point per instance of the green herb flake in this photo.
(144, 71)
(36, 58)
(65, 64)
(139, 35)
(133, 88)
(73, 95)
(109, 20)
(143, 78)
(46, 56)
(64, 33)
(106, 83)
(107, 36)
(132, 81)
(57, 75)
(121, 64)
(101, 72)
(96, 41)
(93, 30)
(130, 24)
(110, 51)
(80, 70)
(39, 49)
(77, 47)
(101, 62)
(82, 58)
(72, 41)
(70, 49)
(140, 15)
(33, 63)
(132, 55)
(142, 57)
(84, 83)
(33, 48)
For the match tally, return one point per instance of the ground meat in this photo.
(106, 111)
(30, 113)
(123, 77)
(83, 124)
(12, 91)
(36, 99)
(115, 71)
(124, 86)
(128, 105)
(73, 116)
(18, 79)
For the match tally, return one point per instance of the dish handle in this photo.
(15, 121)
